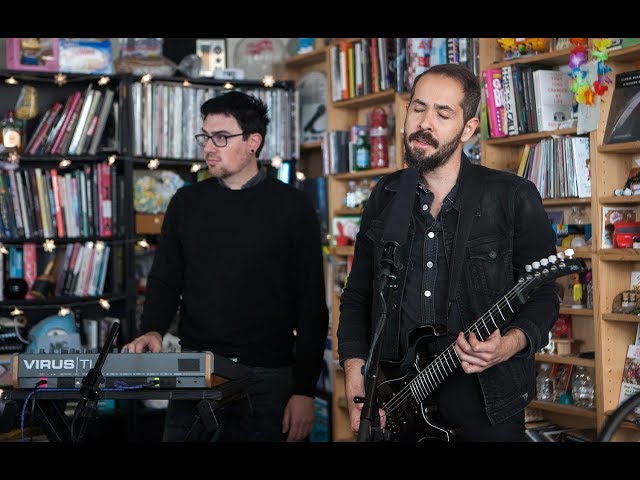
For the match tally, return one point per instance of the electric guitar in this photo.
(405, 398)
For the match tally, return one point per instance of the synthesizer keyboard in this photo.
(156, 370)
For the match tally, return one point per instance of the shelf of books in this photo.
(531, 130)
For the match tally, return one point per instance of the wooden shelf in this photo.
(566, 359)
(557, 57)
(577, 312)
(367, 100)
(518, 140)
(628, 423)
(305, 59)
(311, 146)
(620, 254)
(579, 252)
(620, 317)
(612, 199)
(374, 172)
(348, 211)
(629, 54)
(342, 251)
(559, 202)
(626, 147)
(564, 409)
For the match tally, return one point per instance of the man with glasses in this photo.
(240, 256)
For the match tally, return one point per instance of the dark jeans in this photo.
(254, 418)
(461, 406)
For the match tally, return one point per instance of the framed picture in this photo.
(33, 54)
(344, 230)
(213, 55)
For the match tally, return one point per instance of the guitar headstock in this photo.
(553, 266)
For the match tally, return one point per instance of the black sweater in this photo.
(245, 268)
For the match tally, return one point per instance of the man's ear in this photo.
(254, 141)
(470, 128)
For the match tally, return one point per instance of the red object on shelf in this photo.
(379, 140)
(624, 233)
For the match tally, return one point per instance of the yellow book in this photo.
(523, 159)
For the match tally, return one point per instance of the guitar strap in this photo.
(402, 208)
(471, 188)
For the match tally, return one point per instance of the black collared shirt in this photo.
(425, 295)
(255, 180)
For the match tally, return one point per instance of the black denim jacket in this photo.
(510, 230)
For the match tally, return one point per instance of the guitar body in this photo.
(406, 390)
(408, 420)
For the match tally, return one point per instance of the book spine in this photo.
(57, 203)
(37, 143)
(73, 101)
(511, 113)
(29, 265)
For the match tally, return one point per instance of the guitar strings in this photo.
(422, 376)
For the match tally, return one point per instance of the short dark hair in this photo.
(468, 80)
(249, 111)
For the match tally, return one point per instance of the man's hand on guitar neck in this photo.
(477, 355)
(354, 388)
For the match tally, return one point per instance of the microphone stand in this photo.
(90, 389)
(370, 429)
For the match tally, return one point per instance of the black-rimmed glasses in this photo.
(218, 139)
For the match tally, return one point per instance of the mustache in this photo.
(424, 137)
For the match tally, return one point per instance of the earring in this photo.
(252, 150)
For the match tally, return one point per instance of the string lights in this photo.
(65, 308)
(58, 78)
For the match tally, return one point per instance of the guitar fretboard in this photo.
(448, 361)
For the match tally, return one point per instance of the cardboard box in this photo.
(149, 223)
(85, 56)
(33, 54)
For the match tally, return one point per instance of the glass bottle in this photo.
(544, 383)
(588, 278)
(582, 388)
(11, 134)
(378, 138)
(350, 199)
(578, 216)
(362, 150)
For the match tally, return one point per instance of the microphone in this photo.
(90, 389)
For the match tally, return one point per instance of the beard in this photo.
(427, 163)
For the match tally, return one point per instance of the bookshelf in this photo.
(607, 334)
(342, 115)
(614, 265)
(87, 226)
(504, 153)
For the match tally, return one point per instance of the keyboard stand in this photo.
(50, 405)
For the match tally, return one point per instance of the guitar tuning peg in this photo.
(544, 262)
(569, 252)
(527, 268)
(552, 259)
(561, 255)
(536, 265)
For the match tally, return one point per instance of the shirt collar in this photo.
(255, 180)
(451, 196)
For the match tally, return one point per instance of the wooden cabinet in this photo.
(613, 266)
(605, 333)
(504, 153)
